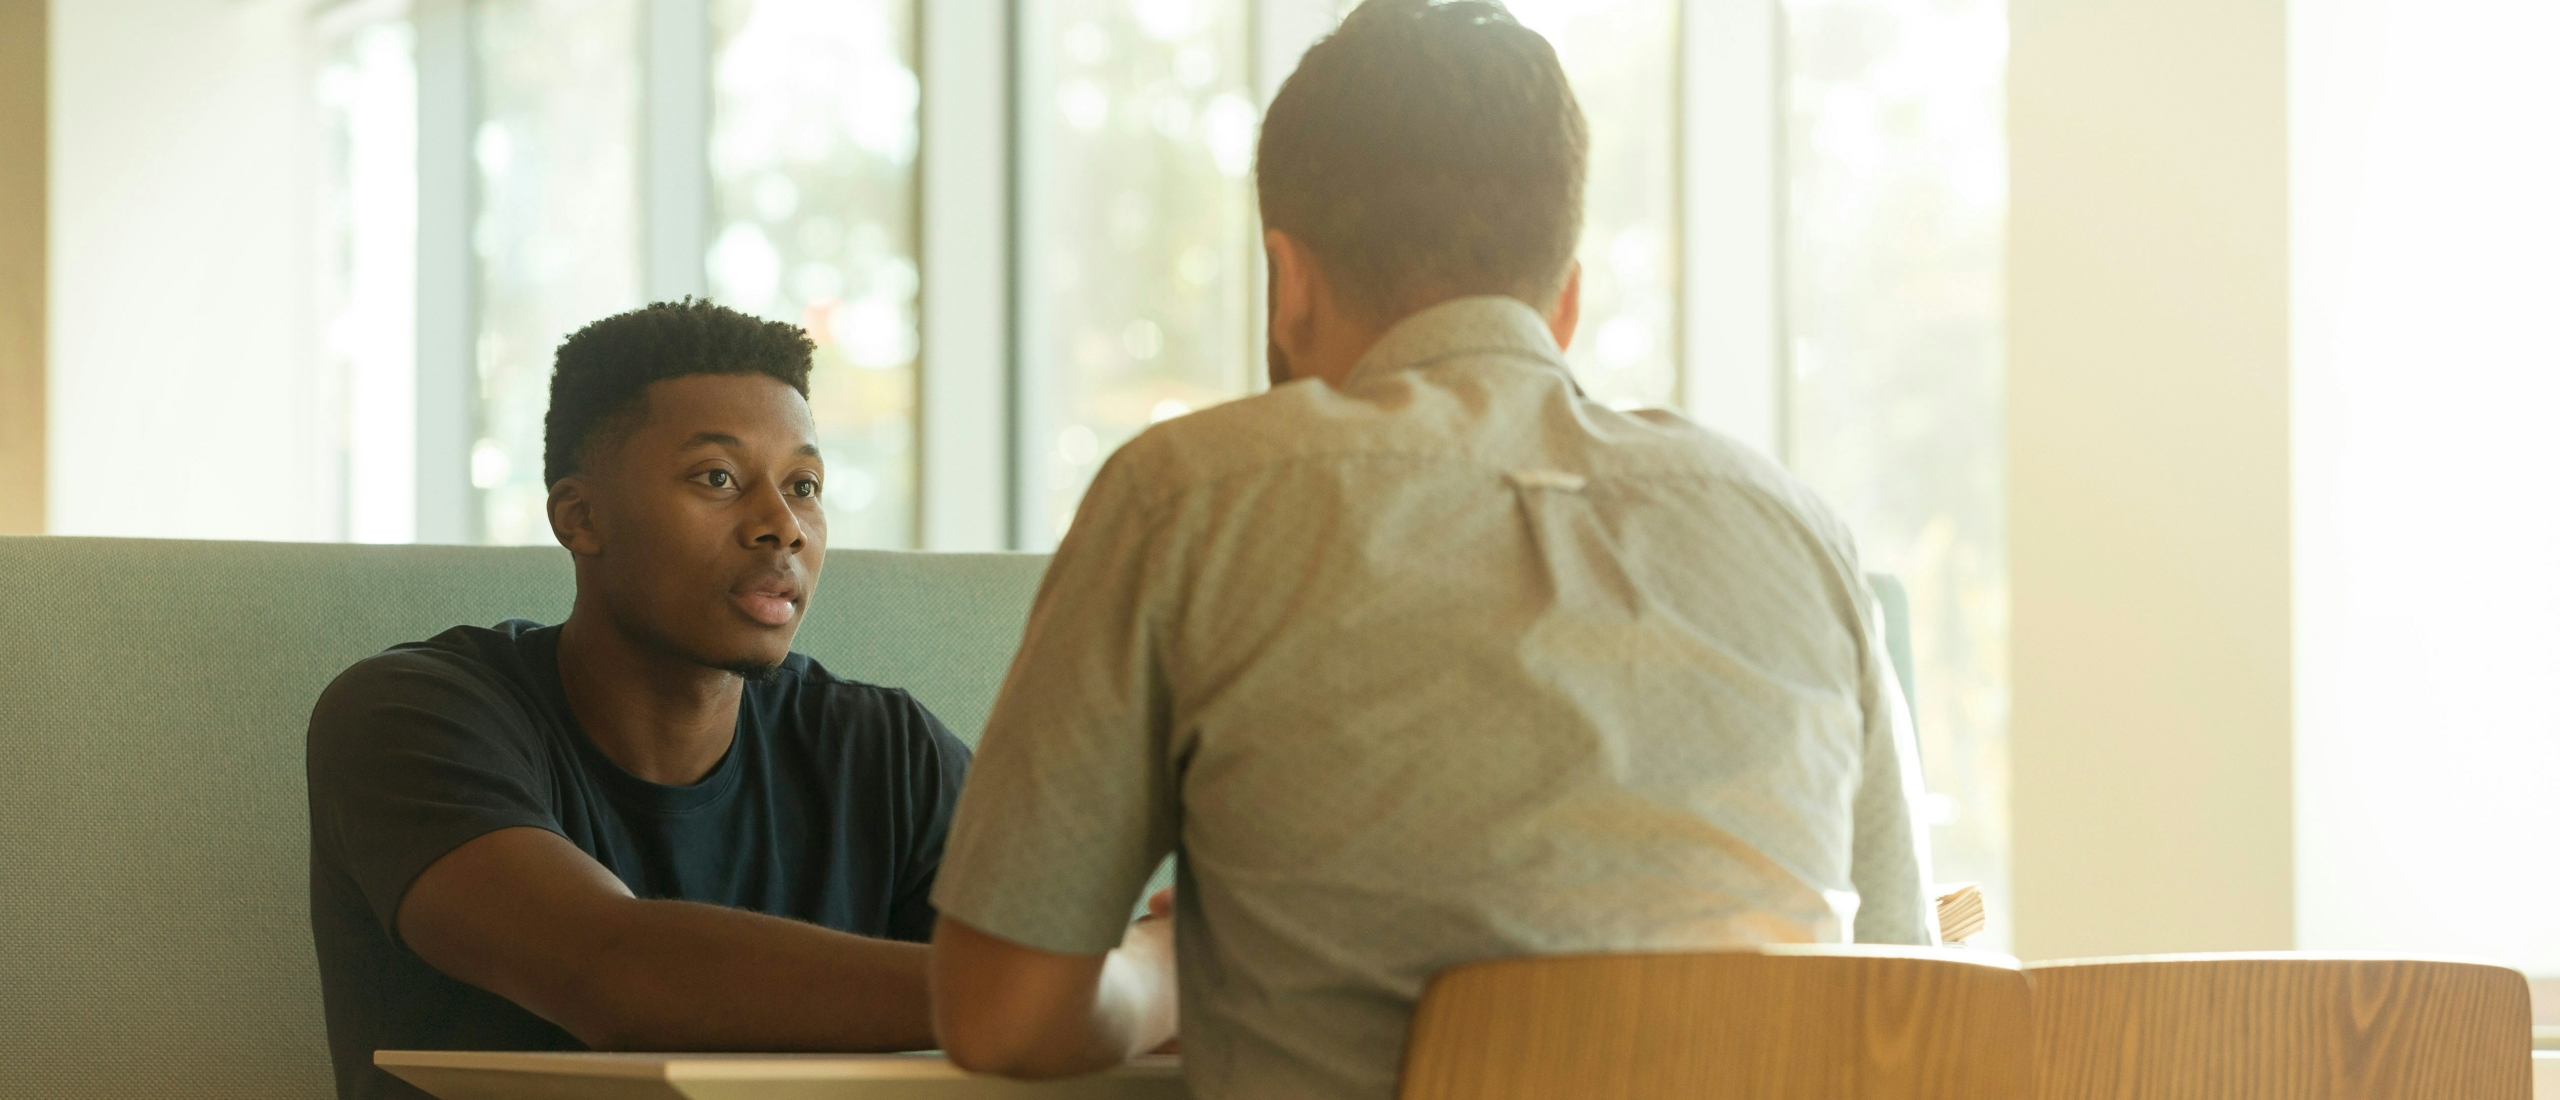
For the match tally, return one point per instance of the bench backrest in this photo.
(154, 921)
(154, 925)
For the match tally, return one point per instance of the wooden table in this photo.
(463, 1075)
(478, 1075)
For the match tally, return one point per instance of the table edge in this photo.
(713, 1066)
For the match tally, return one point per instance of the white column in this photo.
(180, 389)
(2149, 497)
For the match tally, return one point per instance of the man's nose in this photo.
(772, 520)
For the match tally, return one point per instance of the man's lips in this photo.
(771, 602)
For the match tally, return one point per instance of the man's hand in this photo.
(524, 914)
(1000, 1007)
(1160, 904)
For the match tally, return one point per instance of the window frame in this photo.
(977, 406)
(1732, 219)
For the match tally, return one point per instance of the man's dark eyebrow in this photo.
(724, 439)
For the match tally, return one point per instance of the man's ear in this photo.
(1295, 286)
(1567, 314)
(573, 516)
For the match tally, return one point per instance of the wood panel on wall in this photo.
(22, 266)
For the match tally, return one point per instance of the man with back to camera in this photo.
(652, 826)
(1421, 657)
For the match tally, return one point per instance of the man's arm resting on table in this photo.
(524, 914)
(1000, 1007)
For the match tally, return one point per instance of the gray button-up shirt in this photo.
(1449, 663)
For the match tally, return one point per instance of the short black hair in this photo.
(600, 378)
(1428, 149)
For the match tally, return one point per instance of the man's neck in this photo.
(1334, 343)
(663, 718)
(1336, 349)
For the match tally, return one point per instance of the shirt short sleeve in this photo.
(1889, 857)
(934, 776)
(410, 756)
(1070, 804)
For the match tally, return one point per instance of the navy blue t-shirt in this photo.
(830, 807)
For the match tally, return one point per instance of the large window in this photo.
(1139, 242)
(1623, 59)
(806, 158)
(367, 92)
(557, 236)
(1138, 230)
(1896, 200)
(813, 154)
(2426, 373)
(1829, 233)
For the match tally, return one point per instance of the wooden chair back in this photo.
(1834, 1023)
(2280, 1027)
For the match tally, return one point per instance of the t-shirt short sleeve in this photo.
(1070, 804)
(934, 777)
(411, 755)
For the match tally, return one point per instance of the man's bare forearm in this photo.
(525, 915)
(1013, 1010)
(674, 975)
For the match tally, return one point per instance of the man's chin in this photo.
(720, 643)
(753, 671)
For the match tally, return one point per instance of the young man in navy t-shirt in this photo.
(653, 825)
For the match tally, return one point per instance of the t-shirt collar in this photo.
(542, 652)
(1486, 325)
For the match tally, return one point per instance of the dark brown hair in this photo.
(1425, 151)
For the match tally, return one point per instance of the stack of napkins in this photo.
(1959, 912)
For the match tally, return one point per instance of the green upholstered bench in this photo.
(154, 927)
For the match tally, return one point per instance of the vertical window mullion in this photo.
(1137, 129)
(675, 127)
(1731, 206)
(966, 208)
(1033, 420)
(447, 310)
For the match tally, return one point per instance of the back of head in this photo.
(1428, 150)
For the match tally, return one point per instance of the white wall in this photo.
(180, 403)
(2285, 480)
(2149, 496)
(2427, 453)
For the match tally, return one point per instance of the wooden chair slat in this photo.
(2280, 1027)
(1839, 1023)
